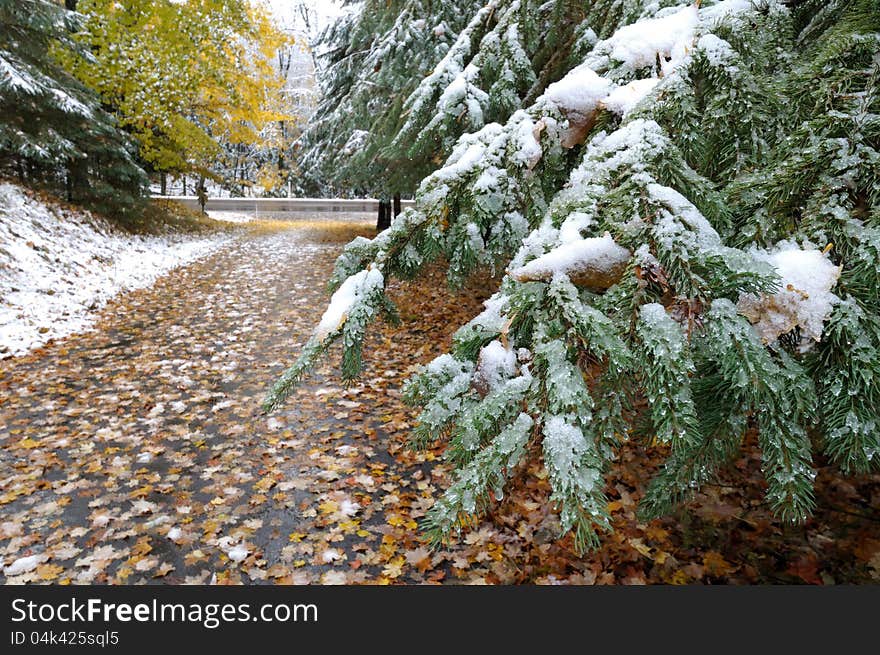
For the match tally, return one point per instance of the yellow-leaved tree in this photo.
(187, 78)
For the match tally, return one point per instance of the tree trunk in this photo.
(202, 193)
(396, 205)
(184, 186)
(163, 184)
(281, 147)
(77, 180)
(384, 220)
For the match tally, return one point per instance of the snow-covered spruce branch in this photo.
(421, 235)
(370, 63)
(693, 277)
(488, 54)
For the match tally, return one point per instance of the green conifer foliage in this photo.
(369, 62)
(685, 215)
(52, 129)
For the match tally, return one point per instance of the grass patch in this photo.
(164, 216)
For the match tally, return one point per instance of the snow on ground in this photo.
(59, 267)
(232, 217)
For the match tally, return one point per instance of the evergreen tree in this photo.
(52, 129)
(685, 216)
(369, 62)
(486, 75)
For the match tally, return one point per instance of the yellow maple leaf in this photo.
(678, 578)
(716, 564)
(396, 520)
(394, 568)
(265, 484)
(49, 571)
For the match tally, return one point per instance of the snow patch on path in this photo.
(232, 216)
(59, 267)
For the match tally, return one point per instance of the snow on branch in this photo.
(805, 300)
(595, 263)
(627, 279)
(357, 288)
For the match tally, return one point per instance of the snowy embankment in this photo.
(58, 267)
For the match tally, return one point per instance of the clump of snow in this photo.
(632, 144)
(491, 319)
(457, 377)
(463, 93)
(356, 142)
(579, 91)
(535, 244)
(564, 449)
(467, 153)
(718, 52)
(528, 149)
(653, 313)
(23, 565)
(595, 262)
(660, 333)
(59, 267)
(238, 553)
(475, 237)
(571, 227)
(804, 301)
(679, 220)
(639, 44)
(495, 365)
(358, 286)
(622, 99)
(443, 365)
(331, 555)
(488, 180)
(725, 9)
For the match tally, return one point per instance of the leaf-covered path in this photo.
(138, 453)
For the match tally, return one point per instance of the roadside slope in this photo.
(59, 266)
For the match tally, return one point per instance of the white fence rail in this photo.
(279, 205)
